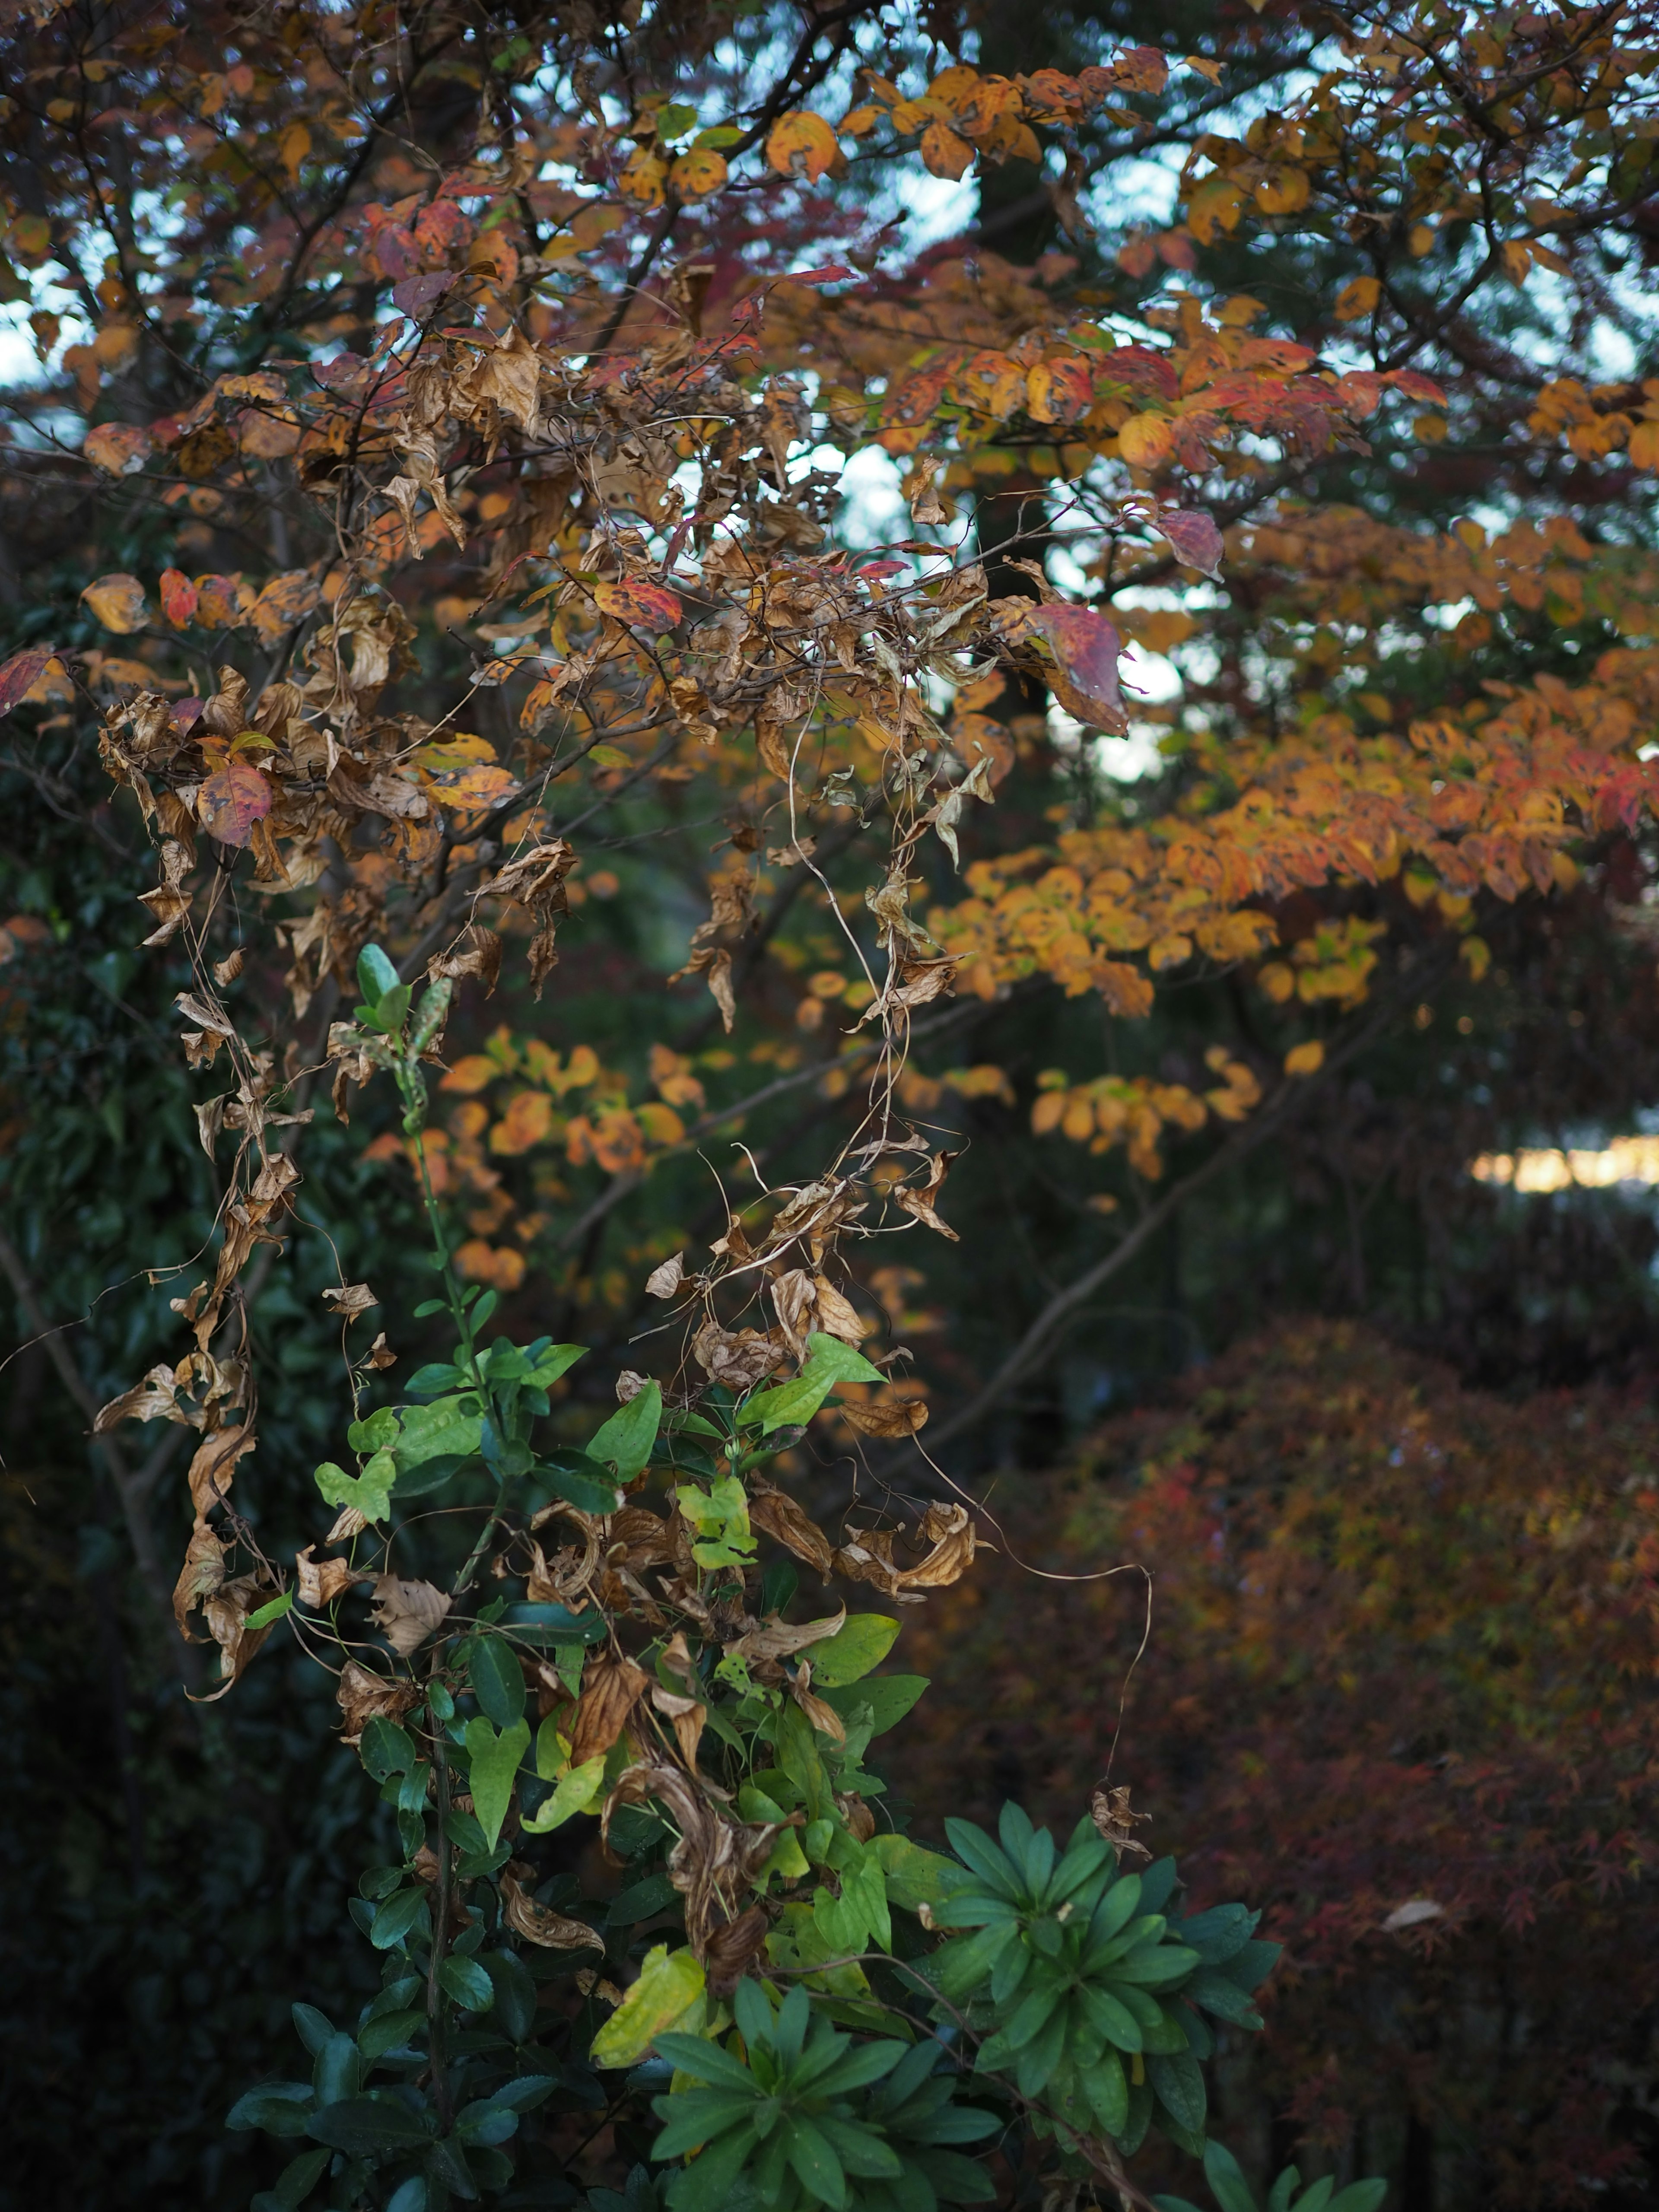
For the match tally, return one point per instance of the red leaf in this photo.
(20, 674)
(646, 605)
(1086, 647)
(835, 274)
(1194, 535)
(230, 803)
(178, 597)
(1416, 385)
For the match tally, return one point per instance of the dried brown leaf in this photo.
(321, 1581)
(362, 1694)
(887, 1417)
(778, 1515)
(351, 1300)
(1109, 1811)
(782, 1639)
(539, 1923)
(610, 1690)
(406, 1612)
(211, 1469)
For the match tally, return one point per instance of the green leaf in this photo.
(719, 136)
(829, 1362)
(1178, 2084)
(281, 2108)
(299, 2177)
(436, 1440)
(887, 1699)
(395, 1918)
(639, 1903)
(515, 1994)
(468, 1983)
(1227, 2183)
(626, 1439)
(576, 1790)
(721, 1516)
(1359, 2197)
(390, 2031)
(861, 1644)
(817, 2167)
(554, 1624)
(386, 1748)
(669, 1985)
(273, 1611)
(495, 1757)
(365, 2127)
(587, 1484)
(370, 1493)
(497, 1682)
(376, 974)
(914, 1876)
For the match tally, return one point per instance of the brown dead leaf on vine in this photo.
(885, 1416)
(610, 1690)
(202, 1574)
(406, 1612)
(686, 1716)
(778, 1515)
(1109, 1811)
(362, 1694)
(156, 1398)
(350, 1299)
(716, 1858)
(782, 1639)
(211, 1469)
(823, 1717)
(919, 1203)
(226, 1611)
(539, 1923)
(476, 952)
(321, 1581)
(729, 1950)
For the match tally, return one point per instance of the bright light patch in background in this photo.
(1626, 1159)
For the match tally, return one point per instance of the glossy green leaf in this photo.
(626, 1439)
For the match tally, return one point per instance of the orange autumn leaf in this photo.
(802, 144)
(118, 601)
(649, 606)
(230, 802)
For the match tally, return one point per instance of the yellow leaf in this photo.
(644, 177)
(293, 147)
(944, 153)
(1357, 299)
(859, 120)
(670, 1985)
(1217, 201)
(118, 601)
(1282, 191)
(1305, 1058)
(1645, 444)
(1476, 955)
(698, 173)
(1145, 441)
(802, 144)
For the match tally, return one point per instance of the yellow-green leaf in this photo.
(670, 1985)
